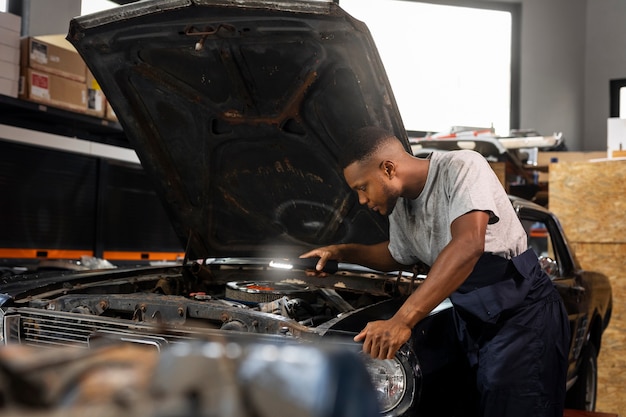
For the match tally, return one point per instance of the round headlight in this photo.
(389, 380)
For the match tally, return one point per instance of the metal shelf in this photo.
(49, 119)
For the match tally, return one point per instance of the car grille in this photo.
(36, 327)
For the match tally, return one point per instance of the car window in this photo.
(542, 241)
(539, 238)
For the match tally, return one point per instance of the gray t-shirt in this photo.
(458, 182)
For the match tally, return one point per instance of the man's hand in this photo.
(382, 339)
(325, 254)
(374, 256)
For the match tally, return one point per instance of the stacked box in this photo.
(54, 90)
(55, 55)
(54, 73)
(109, 114)
(96, 102)
(10, 27)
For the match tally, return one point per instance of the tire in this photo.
(582, 395)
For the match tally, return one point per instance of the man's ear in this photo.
(389, 168)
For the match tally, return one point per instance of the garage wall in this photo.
(605, 60)
(43, 17)
(552, 68)
(571, 49)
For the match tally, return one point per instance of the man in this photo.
(451, 212)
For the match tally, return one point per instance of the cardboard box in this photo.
(10, 54)
(9, 70)
(9, 87)
(10, 38)
(96, 102)
(110, 113)
(11, 22)
(54, 55)
(53, 90)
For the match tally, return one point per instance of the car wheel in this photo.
(582, 395)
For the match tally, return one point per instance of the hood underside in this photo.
(238, 110)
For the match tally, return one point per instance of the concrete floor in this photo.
(612, 358)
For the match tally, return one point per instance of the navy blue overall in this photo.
(514, 328)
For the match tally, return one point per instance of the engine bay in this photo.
(244, 298)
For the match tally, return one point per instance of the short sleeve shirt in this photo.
(458, 182)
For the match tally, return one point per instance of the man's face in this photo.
(372, 185)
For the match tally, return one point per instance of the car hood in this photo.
(238, 110)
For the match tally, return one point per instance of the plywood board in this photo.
(589, 198)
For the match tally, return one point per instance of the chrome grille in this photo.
(36, 327)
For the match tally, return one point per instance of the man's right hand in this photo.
(374, 256)
(325, 254)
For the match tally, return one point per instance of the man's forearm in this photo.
(453, 265)
(375, 256)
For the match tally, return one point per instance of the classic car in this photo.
(237, 110)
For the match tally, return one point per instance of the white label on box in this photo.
(95, 99)
(40, 85)
(39, 52)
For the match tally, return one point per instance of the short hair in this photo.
(362, 144)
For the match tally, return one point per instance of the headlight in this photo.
(397, 381)
(4, 298)
(2, 336)
(389, 380)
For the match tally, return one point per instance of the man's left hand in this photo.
(382, 339)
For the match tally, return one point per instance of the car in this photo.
(237, 110)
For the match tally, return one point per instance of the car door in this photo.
(546, 238)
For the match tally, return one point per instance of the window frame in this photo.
(563, 256)
(615, 87)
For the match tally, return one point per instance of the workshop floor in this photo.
(612, 358)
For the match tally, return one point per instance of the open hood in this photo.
(238, 109)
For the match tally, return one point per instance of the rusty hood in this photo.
(238, 109)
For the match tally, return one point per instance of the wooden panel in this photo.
(607, 258)
(590, 199)
(579, 413)
(544, 158)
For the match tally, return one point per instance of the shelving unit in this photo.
(43, 118)
(71, 184)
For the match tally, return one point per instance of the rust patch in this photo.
(291, 109)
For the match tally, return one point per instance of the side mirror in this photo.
(549, 266)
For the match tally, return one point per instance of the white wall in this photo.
(571, 49)
(605, 60)
(552, 68)
(45, 17)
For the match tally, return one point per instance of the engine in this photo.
(287, 304)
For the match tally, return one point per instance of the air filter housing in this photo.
(255, 292)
